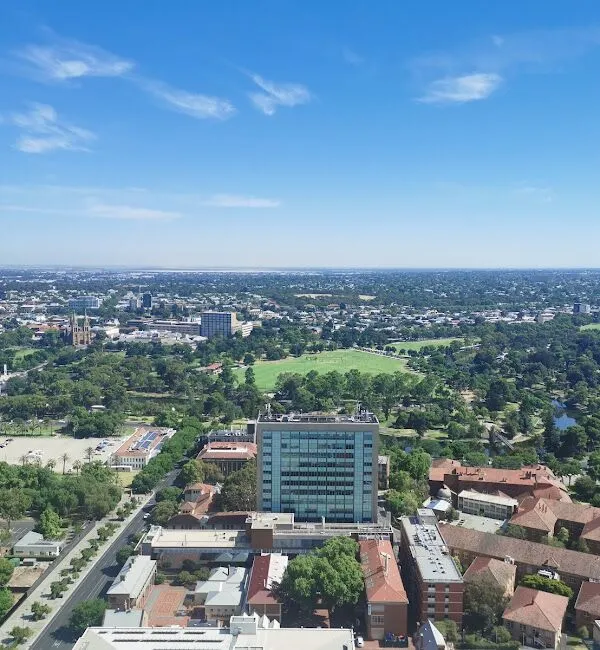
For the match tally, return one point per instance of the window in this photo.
(377, 620)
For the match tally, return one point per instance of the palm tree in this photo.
(51, 464)
(77, 465)
(89, 452)
(65, 457)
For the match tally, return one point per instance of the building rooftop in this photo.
(429, 549)
(143, 441)
(538, 609)
(380, 571)
(123, 618)
(244, 632)
(542, 514)
(431, 637)
(583, 565)
(588, 599)
(159, 537)
(498, 499)
(267, 572)
(225, 587)
(488, 568)
(132, 577)
(228, 451)
(32, 538)
(363, 417)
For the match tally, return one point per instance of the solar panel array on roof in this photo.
(146, 441)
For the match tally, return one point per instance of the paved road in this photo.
(57, 635)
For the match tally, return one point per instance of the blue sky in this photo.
(283, 133)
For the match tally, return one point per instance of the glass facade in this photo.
(320, 473)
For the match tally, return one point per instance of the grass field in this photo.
(266, 372)
(21, 353)
(591, 326)
(125, 478)
(417, 345)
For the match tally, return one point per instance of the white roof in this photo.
(133, 576)
(249, 633)
(488, 498)
(432, 637)
(224, 587)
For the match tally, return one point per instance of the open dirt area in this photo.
(53, 448)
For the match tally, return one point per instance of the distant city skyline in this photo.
(297, 135)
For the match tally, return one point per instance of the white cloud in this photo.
(130, 212)
(458, 90)
(233, 201)
(275, 95)
(192, 104)
(72, 60)
(42, 131)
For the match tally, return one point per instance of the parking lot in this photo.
(27, 449)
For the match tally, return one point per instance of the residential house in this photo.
(500, 573)
(587, 606)
(535, 618)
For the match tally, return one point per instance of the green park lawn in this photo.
(21, 353)
(591, 326)
(266, 372)
(417, 345)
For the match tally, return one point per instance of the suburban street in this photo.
(95, 584)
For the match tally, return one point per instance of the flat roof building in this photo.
(496, 506)
(217, 323)
(244, 632)
(435, 584)
(318, 466)
(133, 583)
(223, 594)
(33, 544)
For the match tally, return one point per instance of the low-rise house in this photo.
(198, 499)
(496, 505)
(387, 603)
(33, 544)
(223, 594)
(535, 618)
(502, 574)
(587, 606)
(133, 583)
(266, 573)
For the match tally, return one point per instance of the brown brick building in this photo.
(387, 603)
(435, 585)
(228, 456)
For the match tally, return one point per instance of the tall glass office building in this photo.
(318, 466)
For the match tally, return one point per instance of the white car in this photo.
(360, 642)
(147, 515)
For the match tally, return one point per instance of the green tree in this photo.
(239, 490)
(124, 553)
(542, 583)
(168, 494)
(563, 535)
(87, 613)
(185, 578)
(449, 629)
(401, 503)
(39, 610)
(20, 634)
(6, 571)
(517, 532)
(6, 601)
(484, 603)
(163, 511)
(14, 503)
(50, 524)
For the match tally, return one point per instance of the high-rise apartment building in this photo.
(81, 303)
(581, 308)
(147, 301)
(318, 466)
(218, 323)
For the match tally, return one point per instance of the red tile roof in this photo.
(382, 577)
(530, 475)
(542, 514)
(538, 609)
(502, 573)
(581, 565)
(260, 589)
(588, 599)
(228, 451)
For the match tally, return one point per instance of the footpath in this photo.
(22, 615)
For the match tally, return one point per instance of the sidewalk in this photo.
(22, 615)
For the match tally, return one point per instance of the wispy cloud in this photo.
(275, 95)
(42, 131)
(458, 90)
(351, 57)
(233, 201)
(192, 104)
(539, 194)
(105, 211)
(68, 59)
(478, 67)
